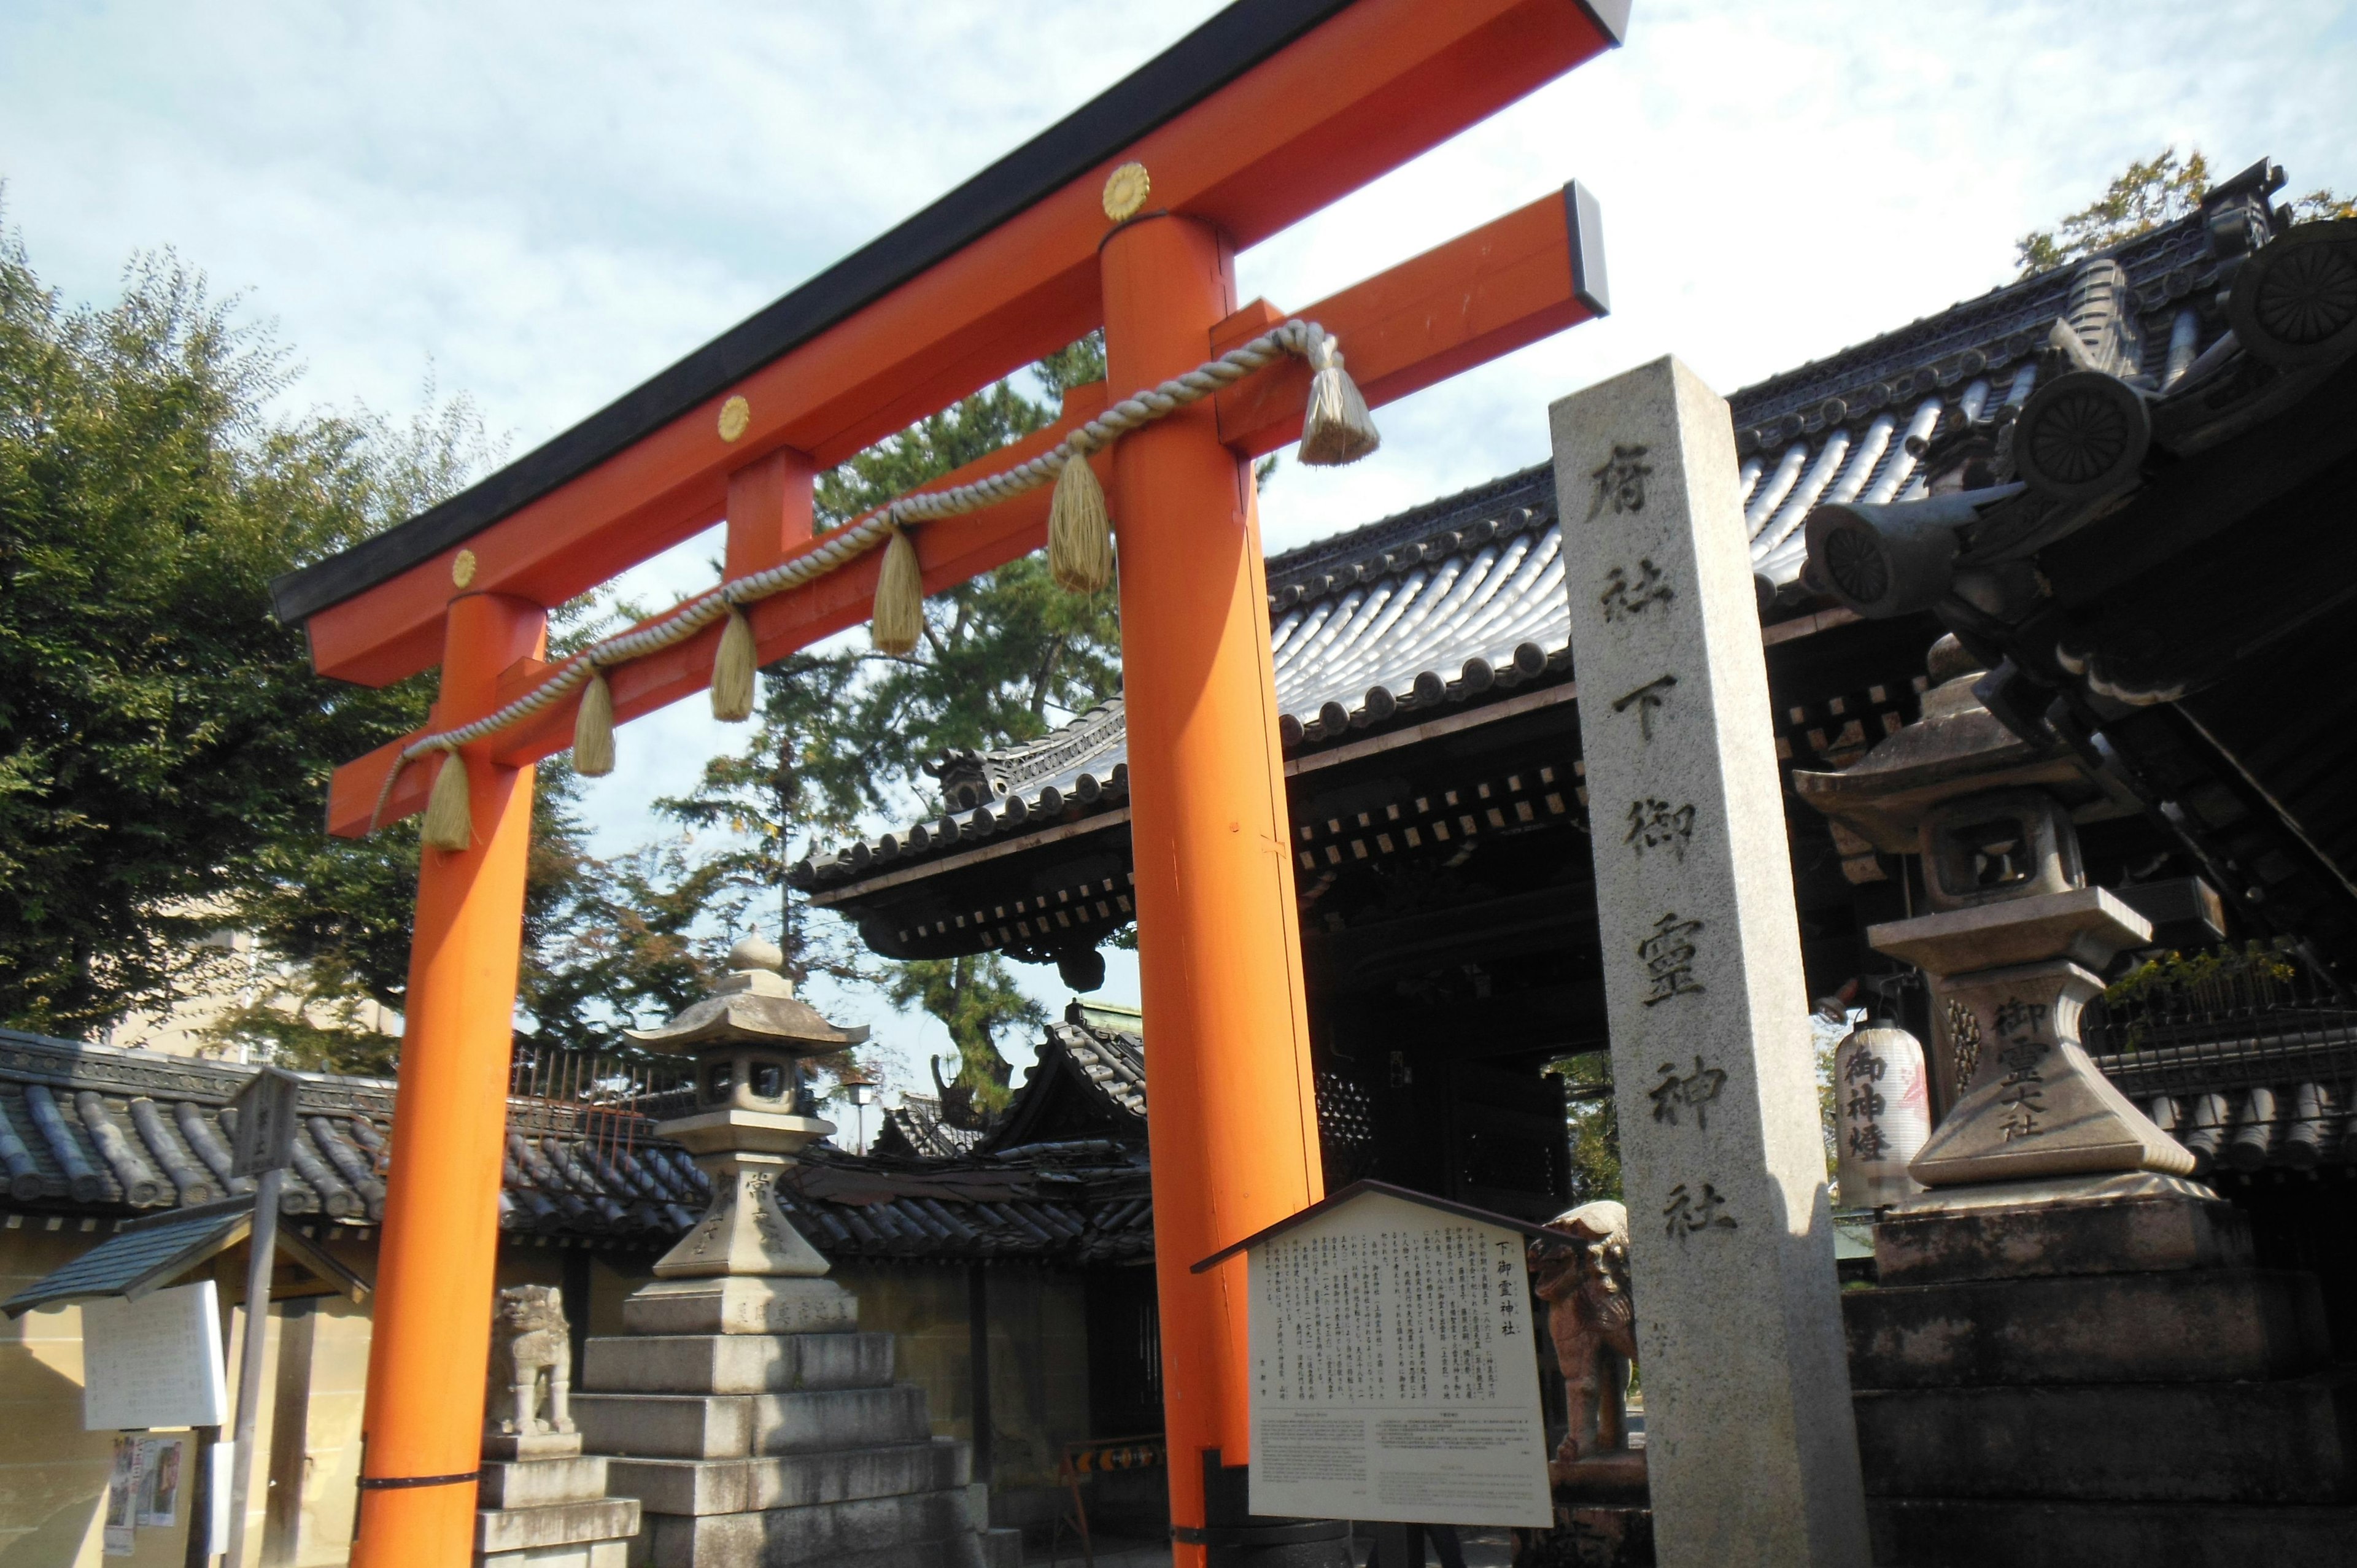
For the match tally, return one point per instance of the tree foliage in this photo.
(160, 735)
(164, 745)
(2159, 190)
(2145, 195)
(975, 999)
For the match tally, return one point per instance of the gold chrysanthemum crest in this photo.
(735, 415)
(1125, 190)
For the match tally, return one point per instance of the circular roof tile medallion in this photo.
(1857, 566)
(1334, 716)
(2081, 436)
(2295, 302)
(1832, 411)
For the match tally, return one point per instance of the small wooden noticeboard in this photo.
(156, 1362)
(1394, 1376)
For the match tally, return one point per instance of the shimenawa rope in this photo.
(1335, 428)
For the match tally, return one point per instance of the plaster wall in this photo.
(1038, 1356)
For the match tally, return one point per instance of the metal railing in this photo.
(2245, 1054)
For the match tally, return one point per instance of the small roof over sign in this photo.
(148, 1254)
(1363, 1188)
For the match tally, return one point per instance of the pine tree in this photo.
(844, 733)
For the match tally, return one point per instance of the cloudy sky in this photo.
(539, 204)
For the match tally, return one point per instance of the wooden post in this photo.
(1232, 1115)
(430, 1345)
(770, 511)
(261, 1248)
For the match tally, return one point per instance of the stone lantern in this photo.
(743, 1410)
(2013, 946)
(748, 1041)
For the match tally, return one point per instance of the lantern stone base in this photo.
(748, 1446)
(2060, 1354)
(743, 1303)
(2078, 1535)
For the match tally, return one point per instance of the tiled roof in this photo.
(98, 1132)
(1459, 600)
(915, 1128)
(1085, 1097)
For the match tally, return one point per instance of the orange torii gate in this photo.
(1265, 113)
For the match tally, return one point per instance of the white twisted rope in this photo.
(845, 545)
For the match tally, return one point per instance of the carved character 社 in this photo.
(533, 1340)
(1584, 1279)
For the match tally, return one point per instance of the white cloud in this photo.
(548, 204)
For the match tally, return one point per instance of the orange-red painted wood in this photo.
(1507, 284)
(769, 511)
(1482, 294)
(1361, 95)
(949, 552)
(1234, 1116)
(430, 1342)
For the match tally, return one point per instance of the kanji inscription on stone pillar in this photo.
(1751, 1450)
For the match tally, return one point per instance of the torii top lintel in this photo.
(1268, 112)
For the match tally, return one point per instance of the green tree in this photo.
(164, 745)
(975, 999)
(2145, 195)
(1594, 1126)
(160, 735)
(844, 733)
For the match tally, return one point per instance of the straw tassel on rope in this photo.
(899, 618)
(592, 728)
(1335, 428)
(732, 670)
(1080, 534)
(450, 821)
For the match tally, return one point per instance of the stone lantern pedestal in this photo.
(2068, 1356)
(744, 1410)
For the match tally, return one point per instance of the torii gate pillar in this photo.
(1234, 1116)
(431, 1342)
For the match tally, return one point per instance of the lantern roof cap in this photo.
(755, 1004)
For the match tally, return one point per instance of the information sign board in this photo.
(1394, 1376)
(153, 1362)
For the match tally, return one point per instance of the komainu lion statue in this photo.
(1584, 1279)
(533, 1340)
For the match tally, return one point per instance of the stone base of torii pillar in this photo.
(744, 1409)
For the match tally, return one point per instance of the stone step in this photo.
(826, 1533)
(2233, 1442)
(2196, 1325)
(537, 1483)
(790, 1480)
(558, 1524)
(737, 1363)
(1943, 1534)
(733, 1426)
(1002, 1549)
(586, 1554)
